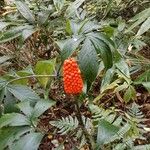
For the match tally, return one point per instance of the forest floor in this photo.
(64, 107)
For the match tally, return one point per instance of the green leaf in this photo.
(3, 59)
(105, 131)
(123, 67)
(66, 124)
(70, 46)
(23, 93)
(68, 27)
(11, 34)
(123, 70)
(3, 25)
(9, 102)
(107, 78)
(144, 27)
(43, 16)
(10, 134)
(41, 106)
(144, 79)
(25, 11)
(25, 108)
(129, 94)
(103, 38)
(135, 24)
(87, 26)
(30, 141)
(2, 83)
(45, 67)
(145, 12)
(146, 85)
(88, 62)
(142, 147)
(71, 10)
(139, 18)
(13, 119)
(26, 33)
(59, 4)
(104, 50)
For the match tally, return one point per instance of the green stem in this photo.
(85, 132)
(31, 76)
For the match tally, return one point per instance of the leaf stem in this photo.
(31, 76)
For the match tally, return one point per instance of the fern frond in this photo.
(124, 145)
(65, 124)
(135, 111)
(142, 147)
(120, 134)
(88, 124)
(101, 113)
(120, 146)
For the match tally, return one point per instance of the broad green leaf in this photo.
(10, 134)
(144, 27)
(104, 50)
(25, 11)
(145, 12)
(71, 10)
(103, 38)
(41, 106)
(70, 46)
(123, 67)
(88, 62)
(29, 141)
(45, 67)
(2, 83)
(13, 119)
(13, 33)
(23, 93)
(107, 78)
(24, 73)
(139, 18)
(74, 27)
(105, 131)
(28, 32)
(3, 25)
(25, 107)
(138, 22)
(129, 94)
(43, 16)
(87, 26)
(9, 102)
(120, 133)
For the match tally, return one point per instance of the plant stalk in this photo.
(85, 132)
(31, 76)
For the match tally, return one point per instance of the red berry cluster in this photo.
(73, 83)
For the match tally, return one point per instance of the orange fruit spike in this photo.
(73, 82)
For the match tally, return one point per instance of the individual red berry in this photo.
(73, 82)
